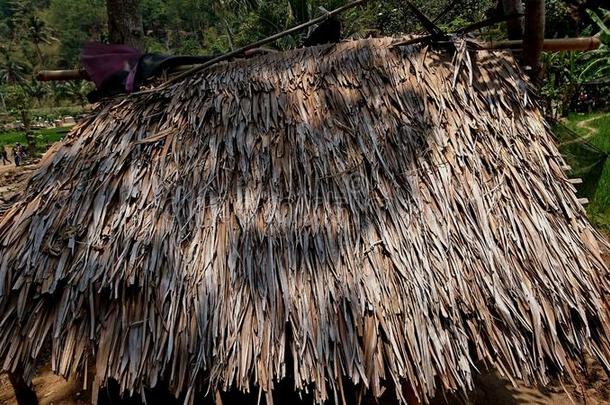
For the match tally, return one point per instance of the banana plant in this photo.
(597, 63)
(567, 72)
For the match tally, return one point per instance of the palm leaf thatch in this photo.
(384, 215)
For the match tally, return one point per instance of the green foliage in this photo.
(566, 72)
(75, 91)
(597, 63)
(12, 70)
(18, 99)
(559, 22)
(599, 122)
(35, 90)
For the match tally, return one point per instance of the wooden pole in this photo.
(533, 36)
(81, 74)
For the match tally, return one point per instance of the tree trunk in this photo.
(533, 36)
(125, 23)
(3, 102)
(515, 25)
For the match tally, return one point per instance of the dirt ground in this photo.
(51, 389)
(12, 181)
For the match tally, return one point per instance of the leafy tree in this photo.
(597, 63)
(77, 92)
(75, 23)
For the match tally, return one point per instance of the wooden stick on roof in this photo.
(425, 21)
(465, 30)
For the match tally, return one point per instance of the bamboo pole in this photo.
(550, 45)
(59, 75)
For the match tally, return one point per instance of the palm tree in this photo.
(12, 71)
(39, 34)
(36, 90)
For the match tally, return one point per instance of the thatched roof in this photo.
(385, 215)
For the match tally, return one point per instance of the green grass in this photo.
(43, 137)
(599, 196)
(600, 121)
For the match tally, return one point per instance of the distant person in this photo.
(20, 153)
(4, 156)
(16, 156)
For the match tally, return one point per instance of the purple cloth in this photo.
(103, 61)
